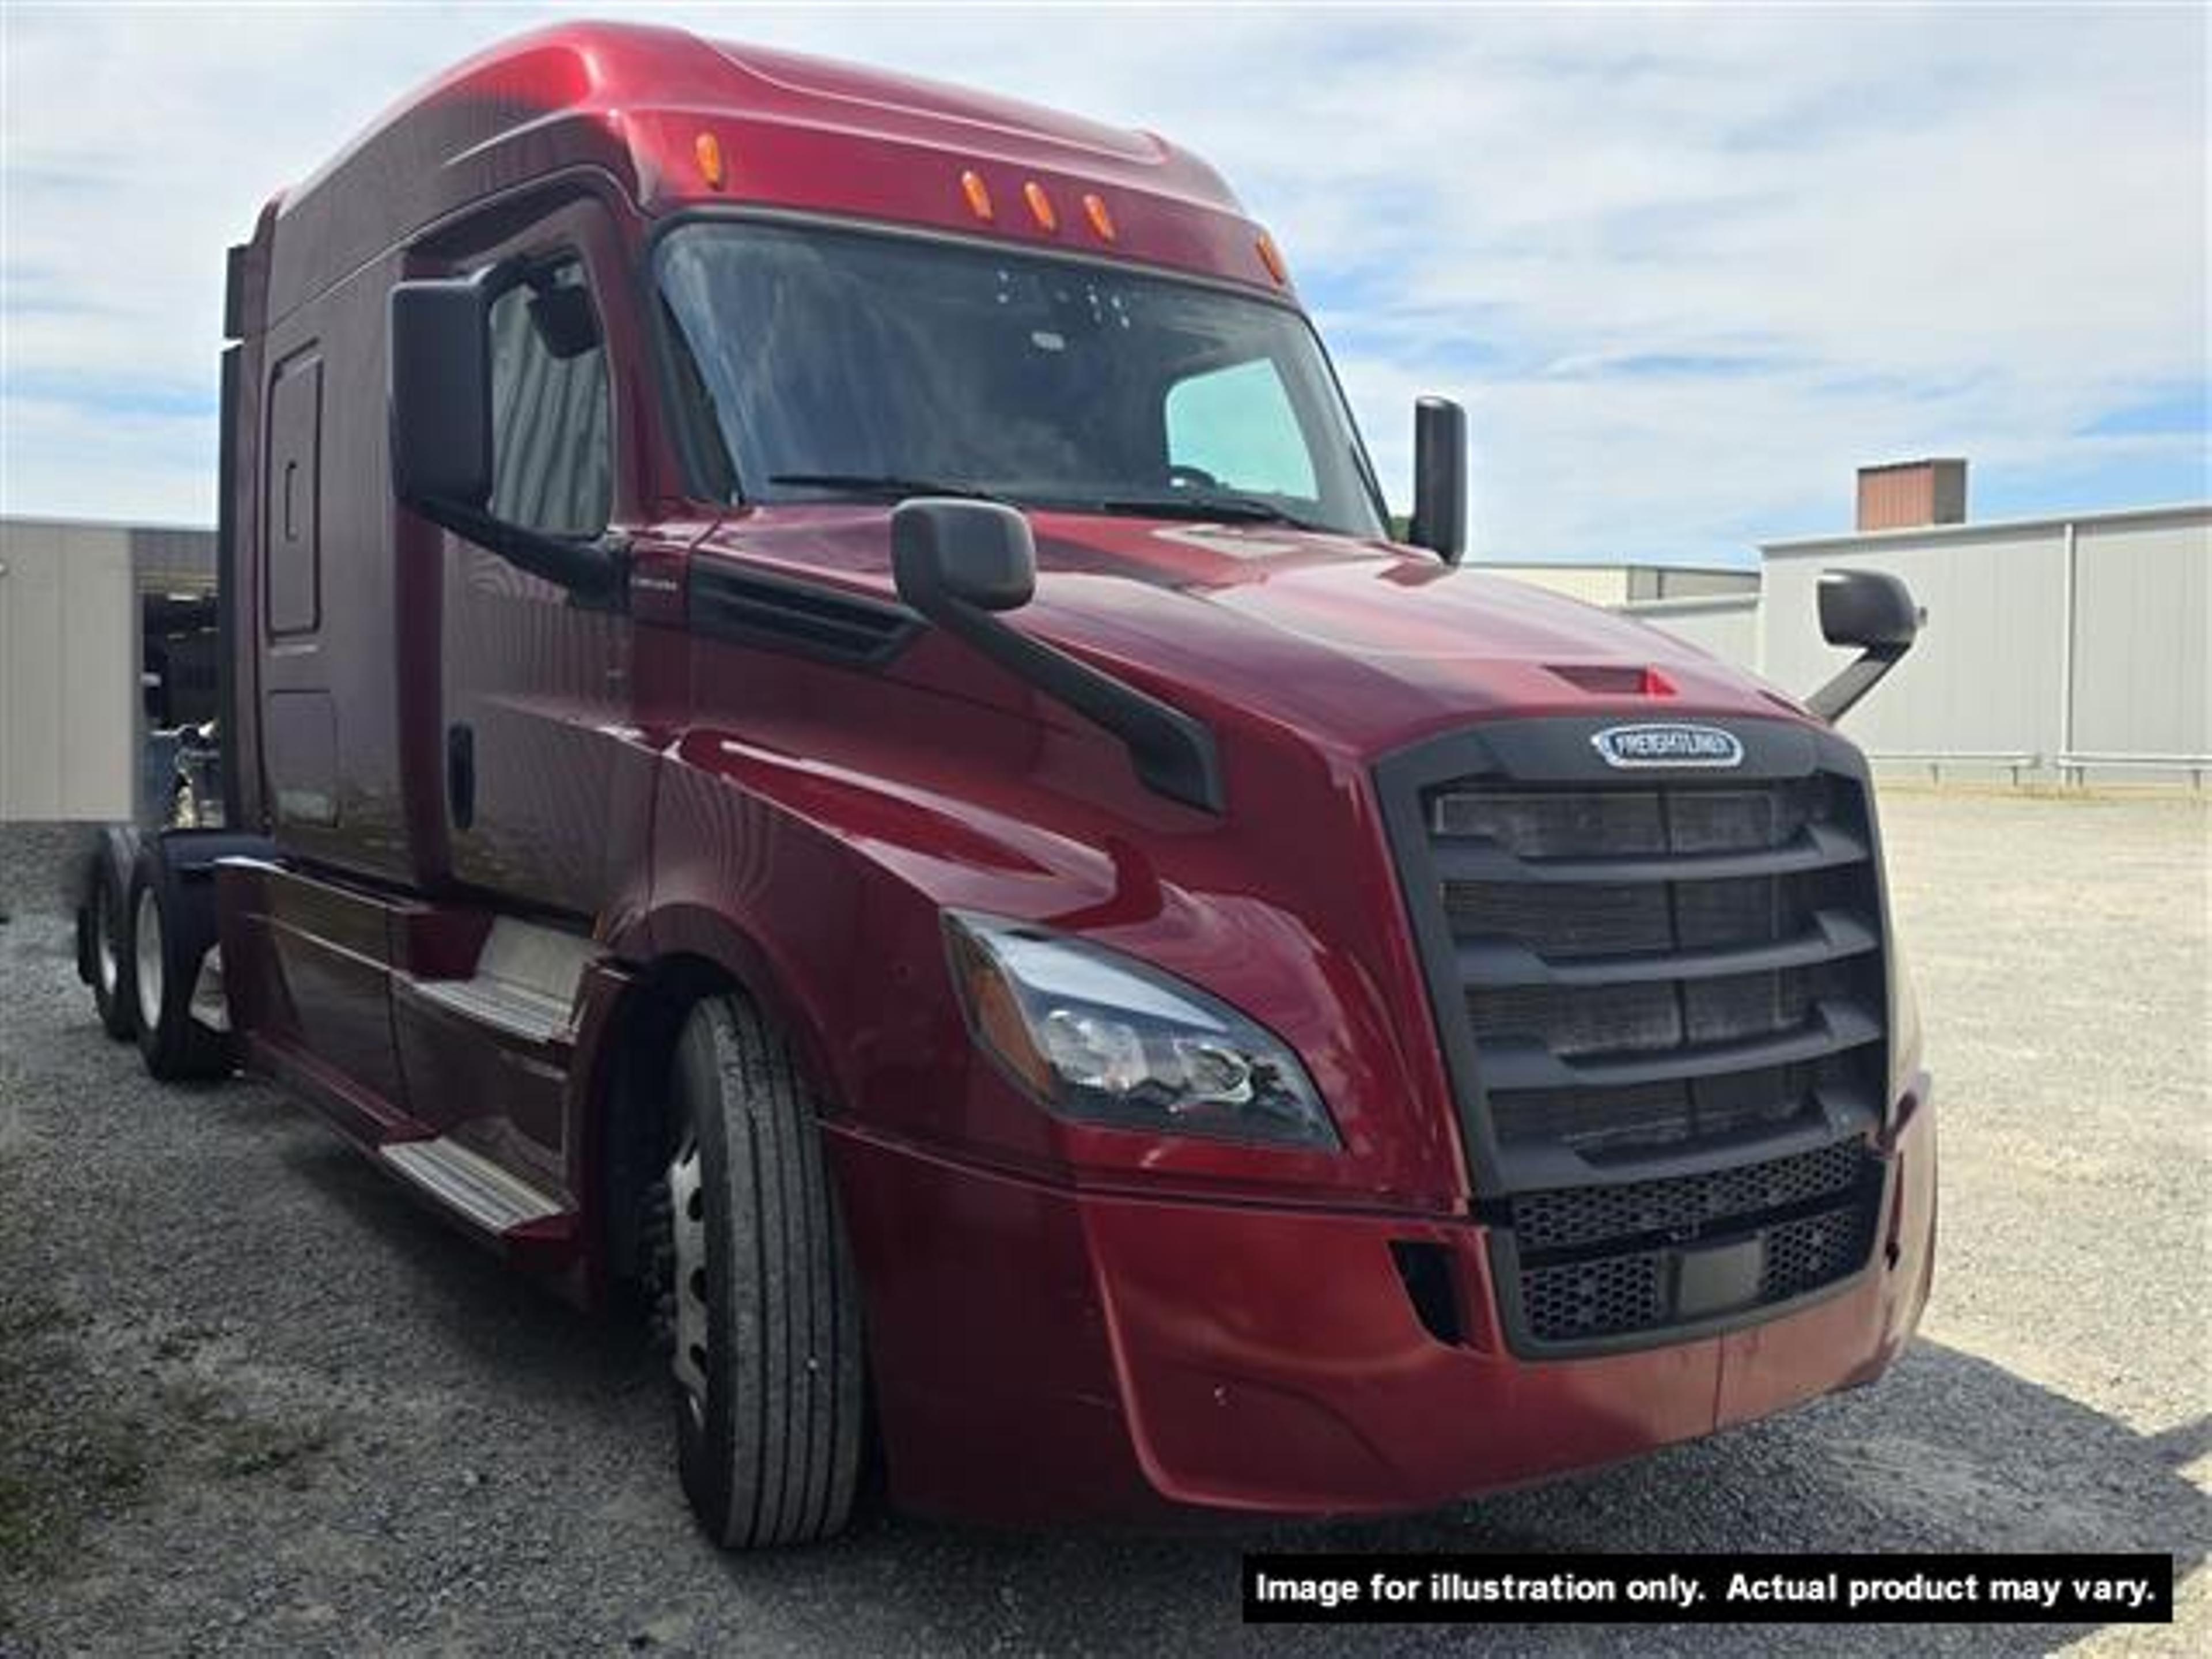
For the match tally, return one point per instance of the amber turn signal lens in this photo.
(1041, 208)
(998, 1014)
(1272, 257)
(1094, 207)
(978, 194)
(708, 150)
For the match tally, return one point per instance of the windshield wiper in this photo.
(1208, 504)
(883, 486)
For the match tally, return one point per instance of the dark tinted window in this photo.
(552, 454)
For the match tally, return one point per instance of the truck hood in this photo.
(1362, 645)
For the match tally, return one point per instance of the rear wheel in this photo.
(761, 1292)
(172, 928)
(112, 991)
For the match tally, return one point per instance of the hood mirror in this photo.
(948, 550)
(1874, 611)
(962, 563)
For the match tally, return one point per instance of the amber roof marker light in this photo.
(706, 149)
(1272, 257)
(1041, 206)
(978, 194)
(1094, 208)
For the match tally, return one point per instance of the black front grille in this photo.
(1604, 823)
(1622, 952)
(1680, 970)
(1594, 1263)
(1570, 1216)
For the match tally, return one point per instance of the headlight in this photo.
(1100, 1038)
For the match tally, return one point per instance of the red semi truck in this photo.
(825, 734)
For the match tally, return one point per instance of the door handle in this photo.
(461, 774)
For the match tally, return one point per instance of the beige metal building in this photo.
(1715, 608)
(2072, 648)
(103, 627)
(2067, 649)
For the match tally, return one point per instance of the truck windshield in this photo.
(837, 364)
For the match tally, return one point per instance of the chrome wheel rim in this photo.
(147, 939)
(687, 1203)
(105, 962)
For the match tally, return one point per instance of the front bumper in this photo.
(1045, 1353)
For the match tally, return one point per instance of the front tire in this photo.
(172, 927)
(769, 1396)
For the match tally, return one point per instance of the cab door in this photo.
(535, 682)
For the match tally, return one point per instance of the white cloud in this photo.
(1688, 268)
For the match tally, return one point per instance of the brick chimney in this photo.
(1906, 495)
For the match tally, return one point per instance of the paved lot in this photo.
(250, 1398)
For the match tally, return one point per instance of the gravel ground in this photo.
(252, 1399)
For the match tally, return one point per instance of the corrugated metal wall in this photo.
(69, 671)
(2142, 603)
(1726, 626)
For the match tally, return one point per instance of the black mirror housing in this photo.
(972, 553)
(1440, 521)
(1870, 609)
(440, 391)
(1874, 611)
(441, 394)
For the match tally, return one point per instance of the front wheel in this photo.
(765, 1302)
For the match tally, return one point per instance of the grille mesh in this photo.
(1600, 1262)
(1584, 1299)
(1803, 1256)
(1655, 1014)
(1688, 1018)
(1572, 1215)
(1655, 1115)
(1606, 823)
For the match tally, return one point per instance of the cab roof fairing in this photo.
(799, 134)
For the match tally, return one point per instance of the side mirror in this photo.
(961, 563)
(1873, 610)
(1870, 609)
(946, 550)
(440, 392)
(1440, 521)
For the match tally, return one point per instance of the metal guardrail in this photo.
(2075, 764)
(1936, 759)
(2071, 767)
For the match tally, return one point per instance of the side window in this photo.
(551, 446)
(1236, 425)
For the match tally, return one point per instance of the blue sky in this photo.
(1688, 268)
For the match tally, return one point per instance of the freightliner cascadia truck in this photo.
(826, 740)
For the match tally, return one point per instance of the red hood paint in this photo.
(1361, 646)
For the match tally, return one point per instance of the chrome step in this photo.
(494, 1197)
(525, 984)
(517, 1009)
